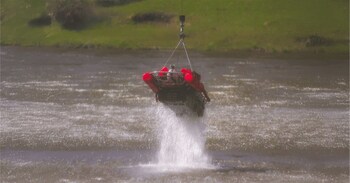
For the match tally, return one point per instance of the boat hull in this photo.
(182, 97)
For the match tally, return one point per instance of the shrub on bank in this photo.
(314, 41)
(152, 17)
(43, 20)
(71, 14)
(108, 3)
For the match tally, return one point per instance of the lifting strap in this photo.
(182, 42)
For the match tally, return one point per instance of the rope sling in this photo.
(181, 42)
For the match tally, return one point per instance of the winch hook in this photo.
(182, 25)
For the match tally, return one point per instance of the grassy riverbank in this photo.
(229, 26)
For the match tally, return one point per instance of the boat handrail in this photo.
(165, 72)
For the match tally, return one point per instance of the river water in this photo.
(87, 116)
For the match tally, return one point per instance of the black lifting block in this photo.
(182, 18)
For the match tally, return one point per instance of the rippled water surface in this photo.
(86, 116)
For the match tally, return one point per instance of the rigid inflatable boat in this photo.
(178, 90)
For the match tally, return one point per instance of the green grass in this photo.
(271, 26)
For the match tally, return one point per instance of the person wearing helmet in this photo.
(172, 73)
(172, 68)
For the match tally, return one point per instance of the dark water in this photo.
(82, 116)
